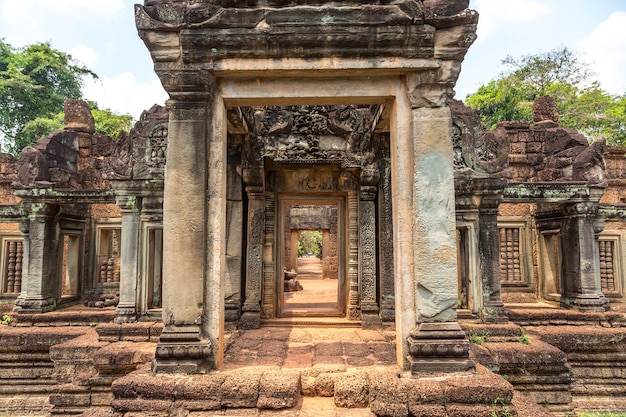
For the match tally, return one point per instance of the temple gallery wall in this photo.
(336, 118)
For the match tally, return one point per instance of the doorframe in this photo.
(321, 199)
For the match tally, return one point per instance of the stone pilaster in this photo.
(436, 342)
(581, 273)
(367, 245)
(489, 250)
(269, 269)
(185, 344)
(354, 312)
(251, 318)
(126, 310)
(385, 238)
(40, 276)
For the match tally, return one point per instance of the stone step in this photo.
(381, 391)
(529, 315)
(70, 317)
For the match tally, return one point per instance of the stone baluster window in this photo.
(12, 255)
(610, 271)
(511, 254)
(109, 240)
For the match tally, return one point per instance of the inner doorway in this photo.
(312, 282)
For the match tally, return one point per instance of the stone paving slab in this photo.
(305, 347)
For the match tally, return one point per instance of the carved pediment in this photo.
(141, 153)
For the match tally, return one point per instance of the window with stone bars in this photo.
(511, 254)
(12, 255)
(609, 262)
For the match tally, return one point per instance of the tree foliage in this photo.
(310, 241)
(582, 105)
(35, 81)
(106, 122)
(109, 123)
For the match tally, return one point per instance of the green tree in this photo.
(35, 81)
(109, 123)
(310, 241)
(561, 74)
(106, 122)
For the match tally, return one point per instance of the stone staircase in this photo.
(564, 359)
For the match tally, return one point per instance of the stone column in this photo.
(385, 239)
(126, 310)
(367, 245)
(40, 276)
(354, 312)
(269, 268)
(183, 345)
(251, 318)
(436, 343)
(581, 273)
(489, 250)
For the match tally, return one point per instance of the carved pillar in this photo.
(251, 318)
(269, 270)
(354, 312)
(130, 205)
(436, 342)
(367, 245)
(40, 281)
(581, 267)
(489, 250)
(185, 344)
(385, 238)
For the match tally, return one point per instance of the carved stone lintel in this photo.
(181, 350)
(125, 314)
(439, 348)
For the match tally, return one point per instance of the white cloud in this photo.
(124, 94)
(495, 13)
(29, 21)
(12, 9)
(605, 47)
(85, 55)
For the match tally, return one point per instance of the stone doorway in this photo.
(313, 281)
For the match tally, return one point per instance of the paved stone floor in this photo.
(305, 347)
(319, 294)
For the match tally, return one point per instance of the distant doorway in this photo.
(312, 280)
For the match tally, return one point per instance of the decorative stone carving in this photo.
(141, 153)
(589, 165)
(474, 148)
(32, 166)
(339, 134)
(181, 350)
(437, 348)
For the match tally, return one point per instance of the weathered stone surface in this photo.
(240, 390)
(544, 109)
(388, 395)
(78, 116)
(352, 391)
(446, 8)
(279, 390)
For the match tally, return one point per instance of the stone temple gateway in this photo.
(154, 271)
(311, 95)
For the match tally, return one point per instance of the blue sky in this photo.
(102, 35)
